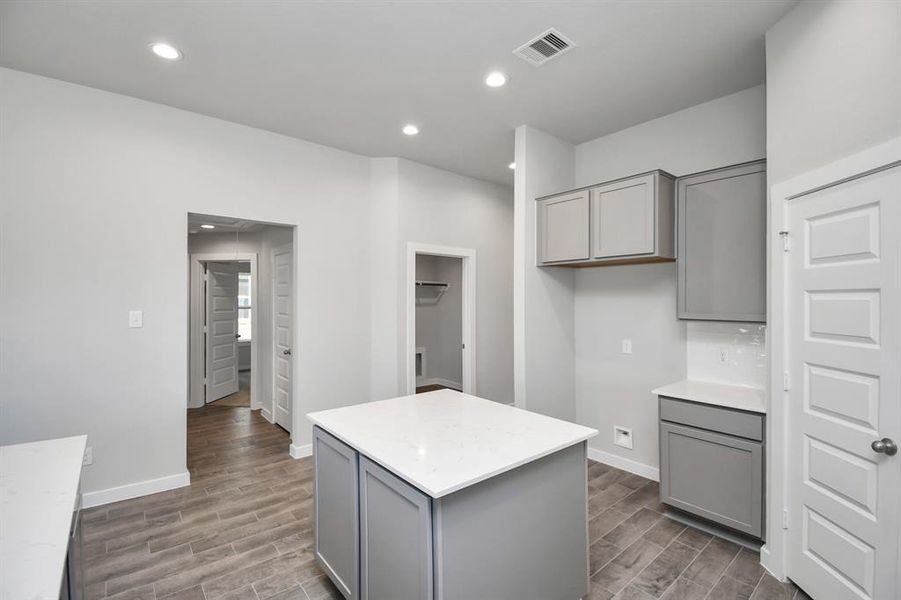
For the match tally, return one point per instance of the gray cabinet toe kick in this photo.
(520, 535)
(712, 463)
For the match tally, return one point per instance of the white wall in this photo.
(422, 204)
(95, 191)
(833, 82)
(638, 302)
(439, 326)
(543, 298)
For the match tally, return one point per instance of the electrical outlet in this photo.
(88, 458)
(627, 346)
(622, 436)
(723, 356)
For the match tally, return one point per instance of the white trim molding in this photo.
(632, 466)
(300, 451)
(773, 555)
(135, 490)
(468, 256)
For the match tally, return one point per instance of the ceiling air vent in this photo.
(543, 48)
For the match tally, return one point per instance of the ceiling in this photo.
(224, 224)
(350, 74)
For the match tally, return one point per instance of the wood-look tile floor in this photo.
(242, 531)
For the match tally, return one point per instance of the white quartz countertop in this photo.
(719, 394)
(38, 494)
(444, 441)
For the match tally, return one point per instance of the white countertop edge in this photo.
(462, 485)
(737, 397)
(41, 562)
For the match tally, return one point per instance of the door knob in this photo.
(885, 446)
(286, 352)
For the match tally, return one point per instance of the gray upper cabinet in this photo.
(336, 523)
(395, 537)
(628, 220)
(563, 228)
(722, 244)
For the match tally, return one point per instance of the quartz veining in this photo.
(444, 441)
(38, 494)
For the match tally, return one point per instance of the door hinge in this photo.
(786, 242)
(785, 518)
(786, 382)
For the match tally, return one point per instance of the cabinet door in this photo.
(623, 218)
(395, 537)
(563, 228)
(717, 477)
(336, 516)
(722, 244)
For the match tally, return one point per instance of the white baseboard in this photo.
(135, 490)
(266, 414)
(614, 460)
(301, 451)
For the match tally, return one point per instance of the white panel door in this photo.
(221, 330)
(844, 353)
(282, 298)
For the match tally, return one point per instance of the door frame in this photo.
(272, 337)
(774, 554)
(197, 306)
(468, 260)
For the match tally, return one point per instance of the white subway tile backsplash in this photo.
(723, 352)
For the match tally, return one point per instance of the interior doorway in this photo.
(241, 334)
(440, 319)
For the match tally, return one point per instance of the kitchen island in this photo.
(452, 497)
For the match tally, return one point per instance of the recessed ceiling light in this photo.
(495, 79)
(410, 129)
(511, 166)
(208, 227)
(164, 50)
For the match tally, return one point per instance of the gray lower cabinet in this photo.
(336, 512)
(722, 244)
(711, 463)
(520, 535)
(395, 537)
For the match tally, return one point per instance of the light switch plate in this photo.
(627, 346)
(135, 318)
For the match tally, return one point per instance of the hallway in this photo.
(240, 531)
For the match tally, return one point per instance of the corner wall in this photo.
(543, 297)
(834, 82)
(638, 302)
(417, 203)
(94, 194)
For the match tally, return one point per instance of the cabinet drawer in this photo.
(714, 418)
(717, 477)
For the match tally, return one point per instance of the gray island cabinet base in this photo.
(520, 535)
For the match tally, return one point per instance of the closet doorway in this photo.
(440, 300)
